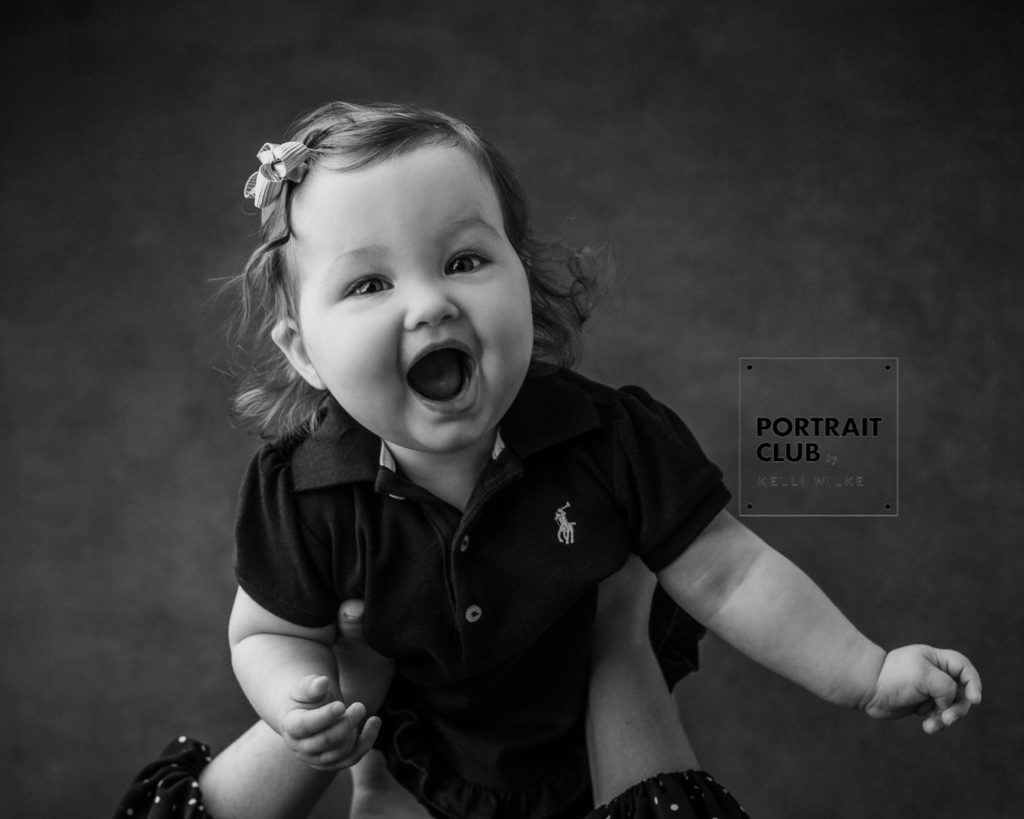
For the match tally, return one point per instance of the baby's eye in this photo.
(465, 263)
(366, 287)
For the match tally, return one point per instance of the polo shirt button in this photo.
(464, 545)
(473, 613)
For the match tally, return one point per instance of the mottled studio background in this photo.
(776, 179)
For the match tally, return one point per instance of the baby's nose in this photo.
(429, 304)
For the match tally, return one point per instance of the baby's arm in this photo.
(289, 674)
(757, 600)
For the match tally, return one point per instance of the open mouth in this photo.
(441, 374)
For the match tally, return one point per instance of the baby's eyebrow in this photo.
(367, 252)
(468, 223)
(374, 253)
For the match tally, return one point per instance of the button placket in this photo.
(473, 613)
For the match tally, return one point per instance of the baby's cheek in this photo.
(515, 332)
(517, 311)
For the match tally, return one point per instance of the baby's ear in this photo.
(287, 337)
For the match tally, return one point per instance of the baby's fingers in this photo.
(938, 719)
(337, 759)
(933, 723)
(954, 691)
(963, 671)
(343, 734)
(310, 690)
(330, 749)
(300, 723)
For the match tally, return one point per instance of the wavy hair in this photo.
(272, 399)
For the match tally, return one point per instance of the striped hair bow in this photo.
(277, 164)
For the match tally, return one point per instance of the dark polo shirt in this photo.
(487, 613)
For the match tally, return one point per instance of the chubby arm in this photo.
(270, 655)
(757, 600)
(290, 676)
(761, 603)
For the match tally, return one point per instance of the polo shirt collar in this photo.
(547, 411)
(387, 459)
(337, 451)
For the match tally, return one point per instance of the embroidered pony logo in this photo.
(566, 527)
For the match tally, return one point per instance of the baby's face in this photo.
(413, 307)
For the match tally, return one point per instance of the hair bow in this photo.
(277, 164)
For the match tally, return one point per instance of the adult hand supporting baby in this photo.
(364, 675)
(920, 679)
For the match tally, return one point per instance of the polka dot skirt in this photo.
(686, 795)
(169, 787)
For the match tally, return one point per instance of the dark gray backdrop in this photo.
(776, 179)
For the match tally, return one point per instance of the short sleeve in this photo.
(278, 562)
(669, 488)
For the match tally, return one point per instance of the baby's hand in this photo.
(924, 680)
(321, 731)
